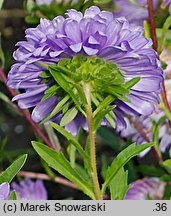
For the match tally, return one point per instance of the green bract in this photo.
(72, 77)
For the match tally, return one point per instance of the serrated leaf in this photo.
(13, 195)
(69, 116)
(122, 158)
(119, 186)
(58, 162)
(13, 169)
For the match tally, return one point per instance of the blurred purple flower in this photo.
(141, 189)
(96, 33)
(4, 191)
(167, 3)
(30, 190)
(146, 124)
(135, 13)
(40, 2)
(48, 2)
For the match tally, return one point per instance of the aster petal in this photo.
(4, 191)
(91, 12)
(74, 15)
(43, 108)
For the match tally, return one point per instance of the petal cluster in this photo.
(4, 191)
(94, 33)
(144, 188)
(40, 2)
(30, 190)
(135, 13)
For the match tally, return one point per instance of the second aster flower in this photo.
(30, 190)
(121, 48)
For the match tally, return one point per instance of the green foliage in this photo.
(122, 158)
(58, 162)
(13, 169)
(52, 10)
(101, 1)
(119, 186)
(13, 196)
(71, 140)
(166, 165)
(164, 32)
(70, 76)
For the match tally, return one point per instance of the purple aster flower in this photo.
(141, 189)
(30, 190)
(4, 191)
(135, 13)
(167, 3)
(94, 33)
(146, 124)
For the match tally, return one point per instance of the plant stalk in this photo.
(89, 115)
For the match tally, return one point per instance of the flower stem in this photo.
(46, 177)
(139, 129)
(155, 46)
(89, 115)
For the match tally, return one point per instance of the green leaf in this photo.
(166, 26)
(101, 115)
(72, 140)
(13, 196)
(69, 116)
(132, 82)
(13, 169)
(59, 78)
(58, 162)
(167, 35)
(118, 186)
(101, 1)
(57, 109)
(121, 159)
(109, 99)
(166, 165)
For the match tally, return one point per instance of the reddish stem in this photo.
(26, 114)
(46, 177)
(155, 46)
(144, 136)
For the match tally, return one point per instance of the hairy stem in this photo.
(91, 132)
